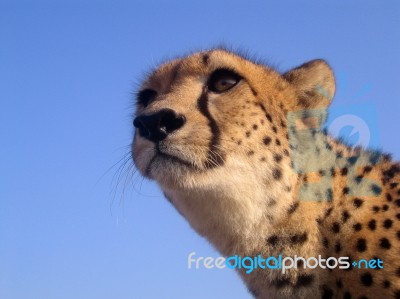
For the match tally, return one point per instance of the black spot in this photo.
(367, 169)
(329, 194)
(344, 171)
(357, 227)
(327, 293)
(339, 283)
(253, 91)
(398, 272)
(248, 133)
(300, 264)
(372, 224)
(376, 189)
(358, 202)
(366, 279)
(274, 129)
(385, 207)
(386, 284)
(299, 238)
(376, 209)
(277, 158)
(328, 212)
(398, 216)
(333, 173)
(321, 172)
(255, 127)
(390, 173)
(281, 282)
(358, 179)
(325, 242)
(273, 240)
(345, 216)
(396, 294)
(387, 223)
(206, 59)
(346, 190)
(286, 152)
(267, 140)
(398, 235)
(397, 202)
(393, 185)
(361, 245)
(250, 153)
(353, 160)
(388, 197)
(268, 116)
(304, 280)
(338, 247)
(293, 207)
(384, 243)
(276, 173)
(277, 141)
(336, 227)
(347, 295)
(263, 159)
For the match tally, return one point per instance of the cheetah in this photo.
(239, 150)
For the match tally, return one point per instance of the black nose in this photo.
(157, 126)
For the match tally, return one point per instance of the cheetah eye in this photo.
(222, 80)
(145, 96)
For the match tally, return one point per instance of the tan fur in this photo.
(238, 204)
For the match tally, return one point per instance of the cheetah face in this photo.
(210, 111)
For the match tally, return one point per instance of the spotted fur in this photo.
(253, 172)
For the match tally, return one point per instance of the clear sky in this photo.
(67, 73)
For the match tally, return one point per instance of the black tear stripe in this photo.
(215, 156)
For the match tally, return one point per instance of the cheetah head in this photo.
(216, 116)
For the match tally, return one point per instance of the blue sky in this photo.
(67, 73)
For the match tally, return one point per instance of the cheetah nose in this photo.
(156, 127)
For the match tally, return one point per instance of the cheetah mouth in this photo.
(172, 158)
(163, 157)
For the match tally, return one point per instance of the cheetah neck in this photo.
(236, 214)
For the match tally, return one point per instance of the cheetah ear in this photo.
(314, 84)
